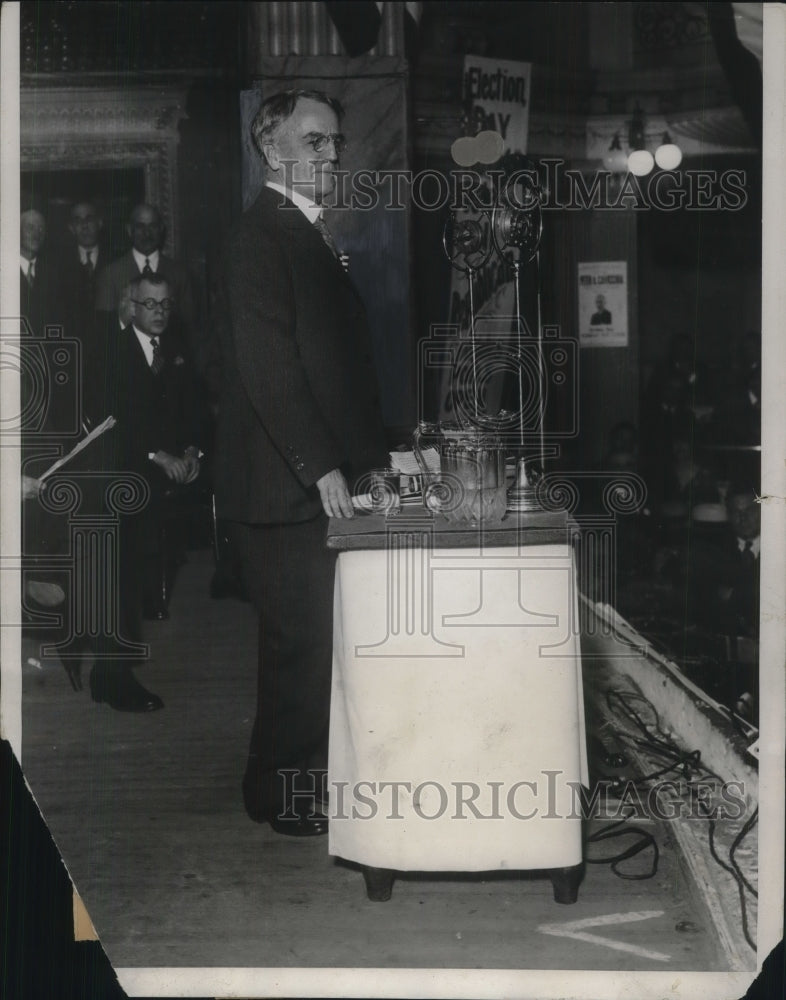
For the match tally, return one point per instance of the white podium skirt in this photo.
(457, 738)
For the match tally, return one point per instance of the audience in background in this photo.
(146, 232)
(85, 254)
(623, 448)
(57, 402)
(40, 288)
(723, 570)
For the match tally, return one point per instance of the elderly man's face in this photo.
(310, 173)
(600, 302)
(85, 225)
(151, 306)
(32, 233)
(145, 230)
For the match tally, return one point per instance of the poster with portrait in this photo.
(603, 303)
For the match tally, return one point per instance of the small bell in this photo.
(522, 496)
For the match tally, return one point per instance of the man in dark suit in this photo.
(722, 594)
(299, 418)
(40, 297)
(155, 399)
(81, 264)
(146, 231)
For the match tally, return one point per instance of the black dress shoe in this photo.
(292, 825)
(118, 687)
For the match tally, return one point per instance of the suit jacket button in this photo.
(300, 466)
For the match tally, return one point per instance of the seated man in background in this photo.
(722, 588)
(155, 399)
(737, 589)
(146, 232)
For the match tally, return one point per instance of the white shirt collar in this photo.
(145, 343)
(24, 263)
(83, 251)
(755, 545)
(311, 211)
(140, 259)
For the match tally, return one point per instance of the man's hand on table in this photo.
(334, 494)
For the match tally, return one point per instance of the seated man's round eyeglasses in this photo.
(152, 304)
(318, 141)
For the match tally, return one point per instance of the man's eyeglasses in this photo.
(318, 141)
(152, 304)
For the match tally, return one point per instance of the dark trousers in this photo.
(288, 575)
(101, 606)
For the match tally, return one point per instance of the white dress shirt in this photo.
(311, 211)
(146, 344)
(755, 545)
(93, 251)
(140, 259)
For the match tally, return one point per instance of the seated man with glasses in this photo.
(153, 395)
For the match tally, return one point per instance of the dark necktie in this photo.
(147, 269)
(89, 261)
(746, 555)
(158, 358)
(321, 227)
(30, 273)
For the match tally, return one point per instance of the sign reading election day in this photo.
(497, 93)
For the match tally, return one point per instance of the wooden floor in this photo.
(147, 813)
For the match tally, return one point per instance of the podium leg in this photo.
(379, 883)
(565, 882)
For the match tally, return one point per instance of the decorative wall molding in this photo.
(64, 128)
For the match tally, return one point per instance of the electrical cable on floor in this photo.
(750, 822)
(739, 880)
(687, 761)
(619, 829)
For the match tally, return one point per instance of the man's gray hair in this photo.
(278, 107)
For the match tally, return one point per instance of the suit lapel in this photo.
(303, 234)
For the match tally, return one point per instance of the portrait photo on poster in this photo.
(392, 519)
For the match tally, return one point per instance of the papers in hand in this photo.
(79, 446)
(406, 463)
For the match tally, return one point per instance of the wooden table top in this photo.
(373, 531)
